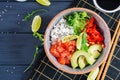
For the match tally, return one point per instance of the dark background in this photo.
(17, 45)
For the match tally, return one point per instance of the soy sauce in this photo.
(108, 4)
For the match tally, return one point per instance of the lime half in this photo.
(44, 2)
(36, 23)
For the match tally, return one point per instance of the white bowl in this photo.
(104, 29)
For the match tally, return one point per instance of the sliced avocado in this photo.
(77, 54)
(93, 74)
(69, 37)
(94, 50)
(82, 62)
(79, 41)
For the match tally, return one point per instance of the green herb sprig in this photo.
(29, 15)
(39, 36)
(34, 58)
(36, 35)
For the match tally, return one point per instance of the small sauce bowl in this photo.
(105, 10)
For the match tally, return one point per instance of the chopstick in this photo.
(111, 53)
(112, 47)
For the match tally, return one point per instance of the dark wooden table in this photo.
(17, 45)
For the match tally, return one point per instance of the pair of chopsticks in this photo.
(104, 66)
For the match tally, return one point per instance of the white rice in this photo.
(60, 30)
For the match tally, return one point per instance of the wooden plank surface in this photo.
(16, 40)
(13, 18)
(17, 48)
(12, 72)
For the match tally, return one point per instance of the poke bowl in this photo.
(77, 40)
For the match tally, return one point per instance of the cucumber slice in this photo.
(79, 41)
(93, 74)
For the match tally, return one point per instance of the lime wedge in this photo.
(44, 2)
(93, 74)
(69, 38)
(36, 23)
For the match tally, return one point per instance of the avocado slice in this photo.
(93, 74)
(69, 38)
(79, 41)
(82, 62)
(77, 54)
(95, 50)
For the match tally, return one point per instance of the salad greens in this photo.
(34, 58)
(77, 20)
(29, 15)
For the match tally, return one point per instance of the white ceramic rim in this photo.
(21, 0)
(107, 11)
